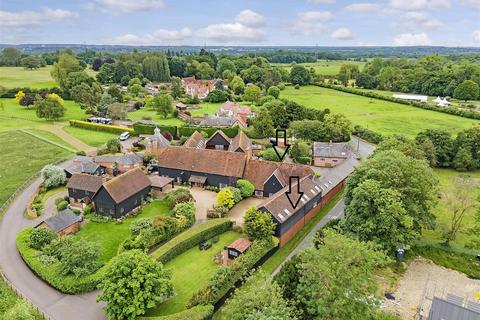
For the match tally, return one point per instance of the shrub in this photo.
(246, 188)
(62, 205)
(258, 224)
(114, 146)
(143, 128)
(139, 225)
(186, 210)
(100, 127)
(87, 209)
(53, 176)
(190, 238)
(367, 135)
(20, 311)
(195, 313)
(81, 153)
(237, 194)
(82, 258)
(40, 237)
(177, 196)
(225, 198)
(58, 200)
(51, 274)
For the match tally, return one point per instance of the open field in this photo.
(158, 119)
(324, 67)
(190, 272)
(382, 116)
(109, 235)
(23, 155)
(441, 211)
(50, 136)
(91, 137)
(15, 77)
(10, 303)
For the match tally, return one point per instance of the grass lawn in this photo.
(9, 299)
(13, 77)
(442, 212)
(109, 235)
(23, 155)
(158, 119)
(50, 136)
(15, 116)
(324, 67)
(206, 108)
(378, 115)
(190, 272)
(91, 137)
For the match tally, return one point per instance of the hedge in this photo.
(143, 128)
(51, 273)
(187, 131)
(10, 93)
(368, 135)
(196, 313)
(453, 111)
(190, 238)
(100, 127)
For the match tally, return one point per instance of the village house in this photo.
(196, 140)
(83, 164)
(233, 109)
(222, 121)
(220, 141)
(81, 189)
(122, 194)
(63, 223)
(156, 141)
(198, 88)
(329, 154)
(116, 164)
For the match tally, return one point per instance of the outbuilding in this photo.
(238, 247)
(63, 223)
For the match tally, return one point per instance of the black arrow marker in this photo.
(294, 202)
(275, 144)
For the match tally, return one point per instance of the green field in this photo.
(15, 77)
(190, 272)
(91, 137)
(382, 116)
(109, 235)
(441, 211)
(324, 67)
(23, 155)
(11, 303)
(50, 136)
(158, 119)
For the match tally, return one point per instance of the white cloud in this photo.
(419, 4)
(158, 37)
(23, 19)
(322, 1)
(421, 19)
(250, 18)
(476, 36)
(411, 39)
(126, 6)
(342, 34)
(471, 3)
(315, 16)
(231, 33)
(364, 7)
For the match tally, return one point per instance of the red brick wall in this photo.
(70, 230)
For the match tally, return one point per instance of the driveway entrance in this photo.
(238, 211)
(204, 200)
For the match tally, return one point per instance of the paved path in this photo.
(56, 305)
(335, 213)
(57, 129)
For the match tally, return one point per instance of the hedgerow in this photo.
(190, 238)
(100, 127)
(196, 313)
(142, 128)
(51, 274)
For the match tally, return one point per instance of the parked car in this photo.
(124, 136)
(205, 245)
(152, 168)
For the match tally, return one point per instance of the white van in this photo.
(124, 136)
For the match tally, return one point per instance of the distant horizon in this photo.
(232, 46)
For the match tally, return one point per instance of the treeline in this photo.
(281, 56)
(433, 75)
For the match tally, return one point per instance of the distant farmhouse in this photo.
(198, 88)
(115, 164)
(83, 164)
(328, 154)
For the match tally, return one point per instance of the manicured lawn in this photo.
(23, 155)
(109, 235)
(158, 119)
(324, 67)
(50, 136)
(15, 116)
(13, 77)
(206, 108)
(91, 137)
(190, 272)
(378, 115)
(442, 212)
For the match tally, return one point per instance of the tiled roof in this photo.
(87, 182)
(127, 184)
(125, 159)
(241, 245)
(221, 133)
(214, 121)
(233, 109)
(241, 140)
(279, 205)
(62, 220)
(331, 150)
(82, 164)
(159, 182)
(196, 140)
(230, 164)
(258, 171)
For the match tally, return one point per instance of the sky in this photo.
(241, 23)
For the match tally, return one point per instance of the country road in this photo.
(56, 305)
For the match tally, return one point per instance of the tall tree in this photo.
(164, 104)
(258, 224)
(177, 89)
(262, 124)
(467, 90)
(299, 75)
(442, 142)
(133, 283)
(348, 71)
(49, 108)
(155, 68)
(66, 63)
(10, 57)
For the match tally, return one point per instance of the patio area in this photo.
(204, 200)
(238, 211)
